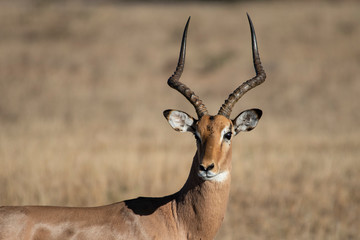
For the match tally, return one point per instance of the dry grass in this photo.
(82, 89)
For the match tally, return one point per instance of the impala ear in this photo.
(180, 121)
(247, 120)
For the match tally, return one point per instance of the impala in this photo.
(194, 212)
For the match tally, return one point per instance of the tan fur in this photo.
(195, 212)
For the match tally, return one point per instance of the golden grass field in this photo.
(83, 87)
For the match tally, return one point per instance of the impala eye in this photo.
(228, 135)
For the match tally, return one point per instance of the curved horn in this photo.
(182, 88)
(226, 108)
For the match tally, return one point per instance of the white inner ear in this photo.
(180, 121)
(246, 121)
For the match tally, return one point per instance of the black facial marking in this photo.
(211, 118)
(210, 129)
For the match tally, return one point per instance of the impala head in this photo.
(214, 134)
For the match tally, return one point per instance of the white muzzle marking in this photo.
(210, 176)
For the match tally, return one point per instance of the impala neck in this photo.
(201, 205)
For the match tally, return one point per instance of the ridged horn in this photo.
(174, 82)
(226, 108)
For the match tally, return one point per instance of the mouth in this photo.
(206, 175)
(211, 176)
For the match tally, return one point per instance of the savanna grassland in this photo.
(83, 87)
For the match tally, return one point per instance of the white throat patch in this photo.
(221, 177)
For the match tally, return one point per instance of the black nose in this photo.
(208, 168)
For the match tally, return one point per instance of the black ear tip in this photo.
(258, 112)
(166, 113)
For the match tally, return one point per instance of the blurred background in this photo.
(83, 87)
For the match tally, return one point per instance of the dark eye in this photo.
(228, 135)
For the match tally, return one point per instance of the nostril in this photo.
(211, 166)
(208, 168)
